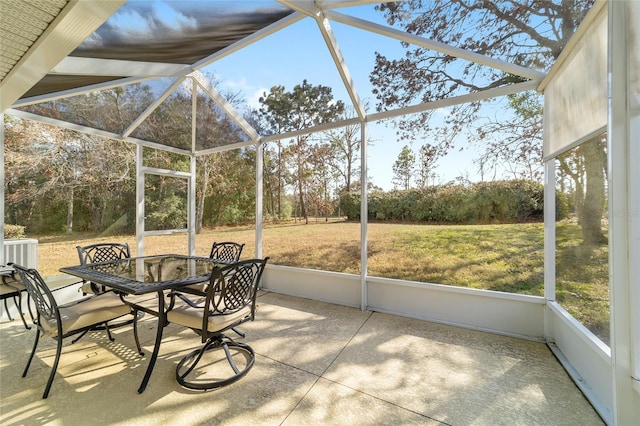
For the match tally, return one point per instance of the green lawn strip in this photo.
(506, 257)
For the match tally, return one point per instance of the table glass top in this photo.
(141, 274)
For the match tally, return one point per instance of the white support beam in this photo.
(139, 201)
(331, 4)
(194, 115)
(165, 172)
(315, 129)
(147, 112)
(435, 45)
(338, 59)
(2, 260)
(312, 9)
(457, 100)
(96, 132)
(73, 65)
(624, 195)
(191, 203)
(305, 7)
(78, 20)
(259, 202)
(224, 148)
(78, 91)
(364, 219)
(225, 105)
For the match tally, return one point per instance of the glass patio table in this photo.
(146, 275)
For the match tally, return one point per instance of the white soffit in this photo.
(49, 44)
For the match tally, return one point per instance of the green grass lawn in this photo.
(507, 258)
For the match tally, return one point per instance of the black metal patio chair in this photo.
(10, 288)
(224, 252)
(61, 321)
(229, 301)
(227, 251)
(101, 252)
(96, 253)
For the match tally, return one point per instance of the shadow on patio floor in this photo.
(316, 363)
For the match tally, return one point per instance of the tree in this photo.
(48, 166)
(586, 166)
(403, 168)
(427, 162)
(213, 129)
(304, 107)
(322, 156)
(530, 33)
(270, 173)
(345, 145)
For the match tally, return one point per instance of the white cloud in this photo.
(253, 98)
(238, 84)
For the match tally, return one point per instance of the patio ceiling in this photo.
(36, 35)
(71, 48)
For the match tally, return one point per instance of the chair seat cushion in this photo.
(147, 302)
(188, 316)
(86, 312)
(200, 287)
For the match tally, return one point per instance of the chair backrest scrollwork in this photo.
(46, 306)
(227, 251)
(103, 252)
(234, 287)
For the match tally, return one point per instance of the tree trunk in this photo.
(203, 194)
(594, 198)
(303, 208)
(70, 211)
(279, 180)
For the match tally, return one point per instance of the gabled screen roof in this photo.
(163, 50)
(179, 32)
(169, 32)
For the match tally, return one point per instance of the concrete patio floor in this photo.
(316, 363)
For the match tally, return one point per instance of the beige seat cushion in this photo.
(201, 287)
(191, 317)
(86, 312)
(147, 301)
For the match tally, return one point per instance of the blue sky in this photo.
(255, 69)
(294, 54)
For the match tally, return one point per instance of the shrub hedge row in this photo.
(13, 231)
(486, 202)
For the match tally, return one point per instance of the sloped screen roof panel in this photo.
(52, 83)
(182, 32)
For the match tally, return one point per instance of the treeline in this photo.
(60, 180)
(506, 201)
(63, 181)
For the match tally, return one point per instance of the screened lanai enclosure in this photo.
(493, 128)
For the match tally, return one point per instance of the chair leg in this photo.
(19, 305)
(238, 332)
(233, 365)
(54, 368)
(212, 344)
(33, 351)
(29, 306)
(106, 327)
(191, 360)
(80, 336)
(6, 309)
(135, 332)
